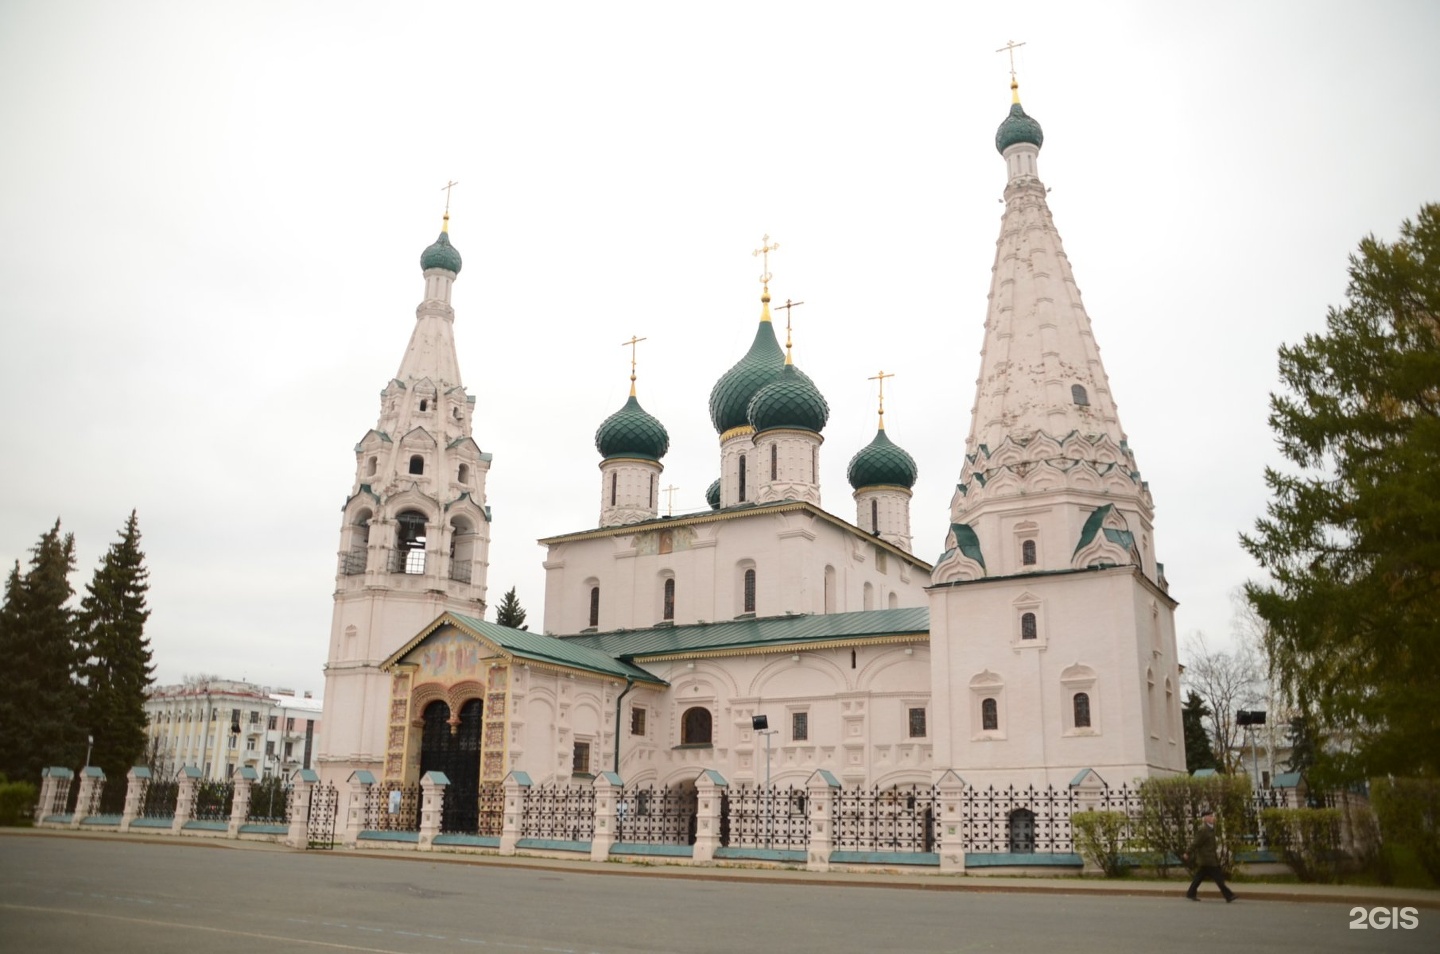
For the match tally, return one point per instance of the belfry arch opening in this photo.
(409, 542)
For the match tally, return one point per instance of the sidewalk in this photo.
(899, 880)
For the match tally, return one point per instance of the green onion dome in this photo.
(441, 255)
(631, 432)
(882, 462)
(712, 495)
(790, 400)
(730, 398)
(1017, 128)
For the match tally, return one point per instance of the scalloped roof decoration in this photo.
(632, 432)
(790, 400)
(730, 397)
(882, 462)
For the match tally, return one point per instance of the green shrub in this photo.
(1170, 809)
(1408, 812)
(1307, 838)
(1100, 838)
(17, 802)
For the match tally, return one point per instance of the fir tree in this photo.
(1199, 751)
(40, 717)
(119, 671)
(510, 612)
(1351, 538)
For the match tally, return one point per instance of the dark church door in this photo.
(457, 754)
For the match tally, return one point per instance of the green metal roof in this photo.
(632, 432)
(441, 254)
(756, 633)
(730, 398)
(790, 400)
(1018, 127)
(712, 494)
(882, 462)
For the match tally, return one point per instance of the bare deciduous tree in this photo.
(1227, 681)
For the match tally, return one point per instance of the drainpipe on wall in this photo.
(629, 684)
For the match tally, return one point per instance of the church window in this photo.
(424, 404)
(695, 726)
(1081, 704)
(799, 726)
(614, 486)
(867, 601)
(417, 464)
(814, 464)
(874, 516)
(1027, 553)
(989, 716)
(410, 542)
(894, 601)
(371, 466)
(1027, 626)
(594, 606)
(1078, 395)
(774, 461)
(749, 591)
(1170, 708)
(637, 721)
(829, 589)
(852, 659)
(652, 490)
(917, 722)
(668, 610)
(882, 560)
(742, 478)
(462, 475)
(580, 761)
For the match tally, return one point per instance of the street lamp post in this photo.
(761, 725)
(89, 744)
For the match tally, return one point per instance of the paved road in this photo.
(119, 896)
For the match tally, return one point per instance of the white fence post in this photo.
(517, 785)
(951, 823)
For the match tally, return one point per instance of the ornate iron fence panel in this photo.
(1019, 820)
(763, 816)
(901, 818)
(393, 806)
(656, 816)
(561, 812)
(59, 798)
(112, 797)
(324, 806)
(213, 801)
(160, 799)
(270, 801)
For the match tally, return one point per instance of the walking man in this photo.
(1207, 859)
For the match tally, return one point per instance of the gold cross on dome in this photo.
(670, 499)
(881, 378)
(1010, 47)
(787, 306)
(765, 249)
(446, 189)
(631, 344)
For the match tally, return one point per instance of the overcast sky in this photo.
(212, 216)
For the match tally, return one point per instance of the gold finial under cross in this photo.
(881, 378)
(765, 249)
(670, 499)
(631, 345)
(787, 306)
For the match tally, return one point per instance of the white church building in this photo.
(1039, 645)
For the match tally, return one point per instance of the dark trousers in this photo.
(1209, 873)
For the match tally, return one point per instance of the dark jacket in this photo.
(1204, 850)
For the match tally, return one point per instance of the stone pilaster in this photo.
(361, 784)
(92, 783)
(820, 809)
(55, 785)
(517, 786)
(432, 807)
(189, 779)
(136, 783)
(240, 805)
(951, 829)
(607, 793)
(303, 783)
(709, 807)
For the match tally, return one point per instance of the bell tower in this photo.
(415, 528)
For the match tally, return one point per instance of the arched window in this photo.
(1078, 395)
(667, 610)
(417, 464)
(874, 516)
(893, 602)
(594, 606)
(1027, 626)
(1082, 710)
(1022, 831)
(774, 461)
(989, 716)
(410, 542)
(371, 466)
(695, 727)
(1027, 553)
(614, 486)
(652, 490)
(424, 405)
(749, 602)
(742, 478)
(867, 600)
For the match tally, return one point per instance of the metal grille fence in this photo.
(213, 801)
(564, 813)
(112, 797)
(901, 818)
(760, 816)
(393, 807)
(270, 801)
(159, 799)
(656, 816)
